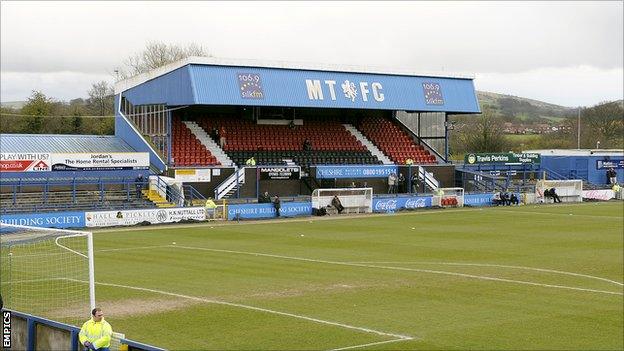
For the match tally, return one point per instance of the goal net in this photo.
(352, 199)
(47, 272)
(448, 197)
(567, 190)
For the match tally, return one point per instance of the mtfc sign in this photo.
(363, 91)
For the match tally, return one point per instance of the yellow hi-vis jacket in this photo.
(97, 333)
(210, 204)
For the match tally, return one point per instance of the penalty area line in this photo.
(369, 344)
(464, 275)
(397, 337)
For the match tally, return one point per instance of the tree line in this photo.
(45, 115)
(602, 123)
(94, 115)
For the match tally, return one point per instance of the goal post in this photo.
(353, 199)
(47, 272)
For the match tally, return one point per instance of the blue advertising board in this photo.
(46, 220)
(478, 199)
(251, 211)
(355, 171)
(401, 203)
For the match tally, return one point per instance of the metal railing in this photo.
(232, 182)
(179, 195)
(31, 333)
(428, 178)
(98, 192)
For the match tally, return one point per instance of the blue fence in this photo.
(31, 332)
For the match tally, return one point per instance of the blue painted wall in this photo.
(173, 88)
(124, 130)
(221, 85)
(582, 167)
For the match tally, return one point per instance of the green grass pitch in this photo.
(529, 277)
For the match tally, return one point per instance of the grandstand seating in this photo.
(187, 150)
(270, 144)
(393, 141)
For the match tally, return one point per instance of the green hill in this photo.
(528, 110)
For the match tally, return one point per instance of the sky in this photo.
(566, 53)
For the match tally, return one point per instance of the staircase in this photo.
(428, 179)
(157, 199)
(229, 186)
(368, 144)
(210, 144)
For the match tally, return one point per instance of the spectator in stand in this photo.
(514, 199)
(496, 199)
(392, 180)
(415, 183)
(307, 145)
(264, 198)
(291, 125)
(277, 204)
(401, 183)
(505, 198)
(409, 162)
(222, 137)
(337, 204)
(138, 183)
(250, 162)
(215, 134)
(611, 176)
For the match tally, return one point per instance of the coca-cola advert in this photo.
(401, 203)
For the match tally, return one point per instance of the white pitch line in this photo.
(311, 319)
(420, 262)
(492, 265)
(370, 344)
(481, 277)
(562, 214)
(133, 248)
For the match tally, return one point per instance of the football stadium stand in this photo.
(187, 150)
(330, 142)
(38, 175)
(394, 142)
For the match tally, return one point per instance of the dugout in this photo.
(262, 94)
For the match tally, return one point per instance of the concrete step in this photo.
(210, 144)
(374, 150)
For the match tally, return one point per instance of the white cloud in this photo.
(17, 86)
(467, 37)
(569, 86)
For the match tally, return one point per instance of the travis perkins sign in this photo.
(280, 173)
(505, 158)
